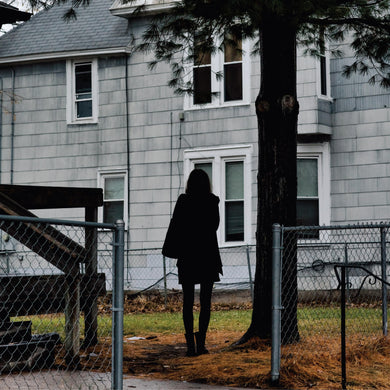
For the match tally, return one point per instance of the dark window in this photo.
(323, 67)
(323, 75)
(202, 73)
(83, 90)
(202, 85)
(232, 69)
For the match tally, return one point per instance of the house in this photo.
(80, 108)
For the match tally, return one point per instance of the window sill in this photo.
(213, 106)
(83, 122)
(326, 98)
(236, 244)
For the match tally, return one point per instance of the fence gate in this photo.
(328, 281)
(61, 304)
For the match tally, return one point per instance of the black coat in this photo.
(197, 220)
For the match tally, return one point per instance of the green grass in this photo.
(312, 320)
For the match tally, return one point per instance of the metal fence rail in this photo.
(56, 307)
(306, 260)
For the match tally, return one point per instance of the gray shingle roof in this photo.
(46, 32)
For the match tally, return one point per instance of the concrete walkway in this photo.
(79, 380)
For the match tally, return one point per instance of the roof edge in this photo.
(63, 55)
(150, 7)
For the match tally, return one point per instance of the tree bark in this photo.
(277, 114)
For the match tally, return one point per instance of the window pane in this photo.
(83, 78)
(307, 212)
(234, 180)
(323, 71)
(308, 215)
(234, 221)
(207, 167)
(113, 188)
(307, 175)
(202, 54)
(233, 50)
(202, 85)
(84, 109)
(233, 82)
(112, 211)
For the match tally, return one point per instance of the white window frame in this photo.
(321, 152)
(71, 114)
(217, 86)
(118, 172)
(218, 157)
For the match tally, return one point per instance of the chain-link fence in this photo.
(148, 269)
(56, 303)
(333, 282)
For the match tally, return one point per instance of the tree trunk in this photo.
(277, 113)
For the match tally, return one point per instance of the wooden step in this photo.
(38, 353)
(15, 332)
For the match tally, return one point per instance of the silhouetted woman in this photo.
(196, 216)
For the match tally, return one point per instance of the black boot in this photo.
(190, 344)
(200, 341)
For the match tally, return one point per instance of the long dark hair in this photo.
(198, 183)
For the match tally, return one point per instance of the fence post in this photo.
(117, 307)
(276, 303)
(248, 259)
(384, 285)
(165, 281)
(343, 345)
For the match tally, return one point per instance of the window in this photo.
(202, 75)
(82, 91)
(229, 170)
(232, 69)
(234, 200)
(220, 78)
(313, 185)
(115, 205)
(323, 79)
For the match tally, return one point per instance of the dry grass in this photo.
(313, 363)
(310, 364)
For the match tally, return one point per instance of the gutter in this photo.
(63, 55)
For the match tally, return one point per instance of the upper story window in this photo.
(323, 78)
(232, 69)
(229, 170)
(82, 92)
(220, 78)
(313, 186)
(115, 205)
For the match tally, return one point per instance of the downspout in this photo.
(12, 127)
(127, 250)
(127, 136)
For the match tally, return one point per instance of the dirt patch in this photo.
(313, 363)
(310, 367)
